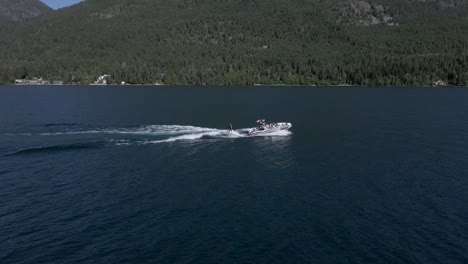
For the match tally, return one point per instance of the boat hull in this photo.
(270, 128)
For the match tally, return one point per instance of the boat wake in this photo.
(55, 148)
(152, 134)
(196, 133)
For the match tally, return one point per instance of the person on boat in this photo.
(230, 127)
(261, 124)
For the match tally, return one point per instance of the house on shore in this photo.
(440, 82)
(36, 81)
(102, 80)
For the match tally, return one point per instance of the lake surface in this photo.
(151, 175)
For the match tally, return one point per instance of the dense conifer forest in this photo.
(243, 42)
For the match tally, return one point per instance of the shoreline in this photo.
(240, 86)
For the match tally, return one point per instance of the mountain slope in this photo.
(20, 10)
(379, 42)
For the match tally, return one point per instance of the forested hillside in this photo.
(373, 42)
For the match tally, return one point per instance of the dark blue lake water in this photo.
(151, 175)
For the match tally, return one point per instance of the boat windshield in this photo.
(261, 122)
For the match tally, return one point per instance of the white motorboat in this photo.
(264, 128)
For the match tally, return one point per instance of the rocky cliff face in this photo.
(392, 12)
(446, 3)
(365, 13)
(20, 10)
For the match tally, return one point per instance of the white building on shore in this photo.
(36, 81)
(102, 80)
